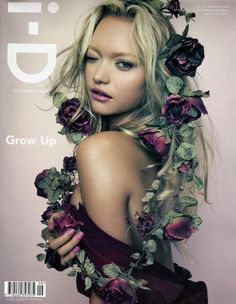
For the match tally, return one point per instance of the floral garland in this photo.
(181, 108)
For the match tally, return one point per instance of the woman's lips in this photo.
(100, 95)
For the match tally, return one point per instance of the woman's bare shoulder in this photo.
(115, 144)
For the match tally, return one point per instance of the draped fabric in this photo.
(165, 285)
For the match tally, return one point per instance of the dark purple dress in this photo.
(166, 286)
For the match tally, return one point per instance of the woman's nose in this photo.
(102, 73)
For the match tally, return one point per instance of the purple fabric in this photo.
(165, 285)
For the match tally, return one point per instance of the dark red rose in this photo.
(69, 163)
(185, 57)
(67, 111)
(145, 224)
(174, 7)
(181, 228)
(47, 213)
(40, 191)
(155, 141)
(65, 222)
(175, 109)
(118, 291)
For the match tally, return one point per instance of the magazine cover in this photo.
(32, 34)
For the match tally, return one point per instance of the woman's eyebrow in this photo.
(114, 54)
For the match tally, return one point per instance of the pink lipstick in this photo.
(100, 95)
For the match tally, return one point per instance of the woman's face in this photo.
(114, 77)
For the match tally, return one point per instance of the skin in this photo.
(112, 183)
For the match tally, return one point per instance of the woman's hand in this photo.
(66, 245)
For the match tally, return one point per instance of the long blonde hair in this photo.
(151, 30)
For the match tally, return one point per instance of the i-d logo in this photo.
(33, 29)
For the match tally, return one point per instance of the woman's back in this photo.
(113, 180)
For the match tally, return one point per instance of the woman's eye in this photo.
(90, 58)
(124, 65)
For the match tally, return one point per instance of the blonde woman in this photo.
(127, 78)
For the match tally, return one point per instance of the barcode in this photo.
(24, 289)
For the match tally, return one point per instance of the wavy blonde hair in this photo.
(150, 32)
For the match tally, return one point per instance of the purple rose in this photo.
(185, 57)
(40, 191)
(181, 228)
(65, 222)
(174, 7)
(175, 109)
(145, 224)
(155, 141)
(118, 291)
(47, 213)
(69, 163)
(67, 111)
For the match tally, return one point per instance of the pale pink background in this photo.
(212, 249)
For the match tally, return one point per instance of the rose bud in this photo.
(118, 291)
(65, 222)
(155, 142)
(180, 229)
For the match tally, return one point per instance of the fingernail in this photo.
(70, 232)
(79, 236)
(76, 249)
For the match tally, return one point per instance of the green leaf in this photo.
(198, 182)
(151, 246)
(44, 183)
(174, 84)
(90, 269)
(77, 269)
(146, 208)
(196, 220)
(52, 173)
(185, 32)
(193, 112)
(186, 201)
(41, 245)
(135, 256)
(111, 270)
(158, 233)
(72, 273)
(88, 283)
(186, 130)
(81, 256)
(41, 257)
(150, 259)
(187, 92)
(75, 137)
(186, 151)
(58, 99)
(156, 184)
(165, 220)
(45, 233)
(53, 195)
